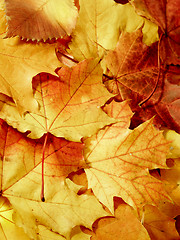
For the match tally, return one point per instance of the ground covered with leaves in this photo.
(90, 120)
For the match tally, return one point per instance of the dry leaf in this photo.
(119, 162)
(158, 225)
(104, 23)
(116, 228)
(40, 19)
(8, 229)
(69, 105)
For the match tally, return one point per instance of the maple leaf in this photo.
(121, 168)
(21, 61)
(104, 23)
(61, 156)
(158, 225)
(166, 15)
(40, 19)
(8, 227)
(69, 105)
(135, 69)
(108, 228)
(62, 211)
(21, 169)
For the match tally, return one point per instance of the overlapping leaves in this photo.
(72, 121)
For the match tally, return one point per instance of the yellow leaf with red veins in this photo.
(70, 106)
(119, 163)
(158, 225)
(40, 19)
(8, 229)
(20, 155)
(99, 26)
(63, 209)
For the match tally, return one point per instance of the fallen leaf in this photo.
(62, 210)
(20, 155)
(40, 19)
(135, 76)
(8, 229)
(20, 62)
(116, 228)
(105, 23)
(158, 225)
(166, 15)
(119, 163)
(70, 106)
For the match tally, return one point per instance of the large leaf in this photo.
(40, 19)
(104, 23)
(134, 67)
(21, 183)
(69, 105)
(166, 15)
(119, 162)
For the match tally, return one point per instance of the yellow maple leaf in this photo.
(40, 19)
(20, 62)
(70, 106)
(119, 162)
(62, 210)
(104, 23)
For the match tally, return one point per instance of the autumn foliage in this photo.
(90, 120)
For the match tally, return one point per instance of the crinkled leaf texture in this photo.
(119, 162)
(134, 67)
(105, 23)
(70, 106)
(40, 19)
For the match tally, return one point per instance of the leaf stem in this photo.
(158, 77)
(43, 156)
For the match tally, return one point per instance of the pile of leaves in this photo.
(90, 119)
